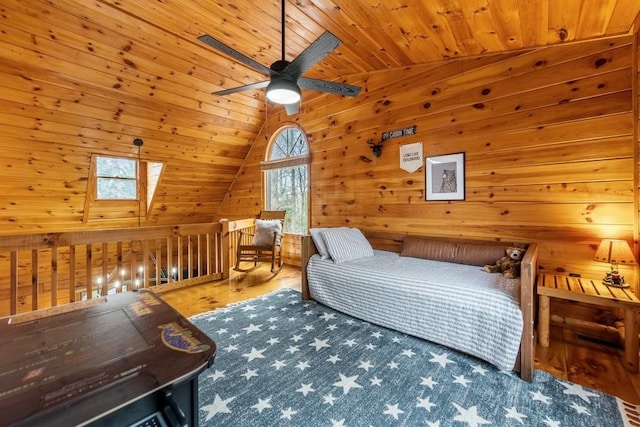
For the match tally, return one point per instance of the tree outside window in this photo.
(287, 178)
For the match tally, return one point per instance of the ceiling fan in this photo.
(285, 78)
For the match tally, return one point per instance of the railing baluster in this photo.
(158, 263)
(105, 269)
(89, 284)
(72, 273)
(145, 263)
(180, 258)
(13, 303)
(119, 267)
(34, 280)
(170, 259)
(54, 276)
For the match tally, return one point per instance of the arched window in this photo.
(287, 177)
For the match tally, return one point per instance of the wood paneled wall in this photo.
(548, 136)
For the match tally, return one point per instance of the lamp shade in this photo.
(283, 90)
(614, 252)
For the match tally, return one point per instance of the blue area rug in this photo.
(286, 362)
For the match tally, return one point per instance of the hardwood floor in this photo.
(594, 362)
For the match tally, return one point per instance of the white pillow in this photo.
(318, 240)
(346, 244)
(264, 231)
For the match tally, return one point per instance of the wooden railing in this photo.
(51, 269)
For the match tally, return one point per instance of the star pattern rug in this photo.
(282, 361)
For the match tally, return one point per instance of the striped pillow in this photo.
(346, 244)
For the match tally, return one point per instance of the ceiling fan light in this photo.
(282, 90)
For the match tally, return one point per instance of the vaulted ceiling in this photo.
(98, 73)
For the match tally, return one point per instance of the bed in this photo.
(431, 288)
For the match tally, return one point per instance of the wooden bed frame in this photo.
(393, 242)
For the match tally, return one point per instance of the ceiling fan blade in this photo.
(218, 45)
(258, 85)
(291, 108)
(331, 87)
(313, 54)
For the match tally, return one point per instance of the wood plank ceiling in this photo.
(88, 76)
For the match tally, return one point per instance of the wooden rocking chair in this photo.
(263, 245)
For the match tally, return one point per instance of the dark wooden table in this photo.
(112, 362)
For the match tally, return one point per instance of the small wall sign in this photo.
(411, 156)
(398, 133)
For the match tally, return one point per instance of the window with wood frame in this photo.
(286, 177)
(120, 188)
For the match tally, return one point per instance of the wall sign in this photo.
(411, 156)
(398, 133)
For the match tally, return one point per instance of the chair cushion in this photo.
(264, 231)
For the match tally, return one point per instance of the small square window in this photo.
(116, 179)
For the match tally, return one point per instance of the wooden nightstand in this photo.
(590, 291)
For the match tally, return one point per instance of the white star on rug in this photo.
(393, 410)
(441, 359)
(222, 331)
(227, 319)
(425, 403)
(328, 316)
(293, 349)
(302, 365)
(392, 365)
(350, 343)
(469, 416)
(250, 374)
(329, 399)
(396, 340)
(278, 364)
(332, 327)
(248, 307)
(273, 341)
(577, 390)
(409, 353)
(262, 405)
(347, 383)
(429, 382)
(319, 344)
(219, 406)
(254, 354)
(296, 338)
(365, 365)
(580, 409)
(513, 413)
(551, 423)
(370, 346)
(477, 369)
(376, 381)
(334, 359)
(252, 328)
(541, 397)
(287, 413)
(434, 424)
(460, 379)
(305, 389)
(272, 319)
(376, 335)
(230, 348)
(308, 328)
(335, 423)
(217, 375)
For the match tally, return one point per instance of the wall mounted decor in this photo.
(411, 157)
(444, 177)
(376, 147)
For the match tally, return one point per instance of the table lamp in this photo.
(614, 252)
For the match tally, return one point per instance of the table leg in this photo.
(631, 339)
(543, 320)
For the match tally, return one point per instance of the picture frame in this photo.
(444, 177)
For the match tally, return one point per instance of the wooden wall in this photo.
(548, 136)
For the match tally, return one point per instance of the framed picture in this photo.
(444, 178)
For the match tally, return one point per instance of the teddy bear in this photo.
(508, 265)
